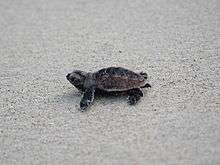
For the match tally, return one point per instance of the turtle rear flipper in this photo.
(145, 75)
(146, 86)
(87, 99)
(134, 96)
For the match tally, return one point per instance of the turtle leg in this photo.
(146, 86)
(87, 98)
(145, 77)
(144, 74)
(134, 96)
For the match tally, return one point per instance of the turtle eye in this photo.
(76, 81)
(72, 79)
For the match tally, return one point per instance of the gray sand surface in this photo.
(176, 42)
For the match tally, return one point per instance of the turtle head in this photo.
(77, 78)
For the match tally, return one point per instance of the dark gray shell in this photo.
(118, 79)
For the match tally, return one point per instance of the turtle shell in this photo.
(118, 79)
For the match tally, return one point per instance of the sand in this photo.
(175, 42)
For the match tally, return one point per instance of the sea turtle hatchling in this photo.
(108, 80)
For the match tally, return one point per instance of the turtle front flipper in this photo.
(134, 96)
(87, 98)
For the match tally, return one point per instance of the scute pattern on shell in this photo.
(118, 79)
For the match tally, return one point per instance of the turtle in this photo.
(108, 80)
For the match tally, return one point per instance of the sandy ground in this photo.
(175, 42)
